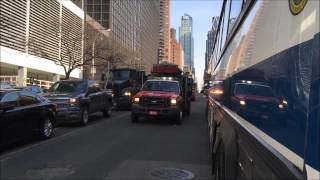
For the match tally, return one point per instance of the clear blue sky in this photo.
(201, 11)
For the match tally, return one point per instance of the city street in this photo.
(114, 148)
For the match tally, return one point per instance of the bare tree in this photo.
(98, 50)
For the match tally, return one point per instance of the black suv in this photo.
(76, 99)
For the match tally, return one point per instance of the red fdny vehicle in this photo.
(167, 94)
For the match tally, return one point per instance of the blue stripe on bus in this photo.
(313, 138)
(293, 74)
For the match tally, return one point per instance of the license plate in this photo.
(153, 113)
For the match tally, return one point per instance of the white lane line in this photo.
(9, 155)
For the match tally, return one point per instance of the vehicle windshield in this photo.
(120, 75)
(68, 87)
(166, 86)
(253, 89)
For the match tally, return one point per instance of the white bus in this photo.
(267, 123)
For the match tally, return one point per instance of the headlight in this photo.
(72, 100)
(173, 101)
(136, 100)
(281, 106)
(242, 102)
(127, 93)
(285, 102)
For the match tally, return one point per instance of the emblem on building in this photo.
(296, 6)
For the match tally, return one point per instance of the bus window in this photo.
(235, 10)
(225, 23)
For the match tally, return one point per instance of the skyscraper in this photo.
(164, 43)
(176, 51)
(186, 40)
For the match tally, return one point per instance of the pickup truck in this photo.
(159, 98)
(76, 99)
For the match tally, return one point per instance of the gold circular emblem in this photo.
(296, 6)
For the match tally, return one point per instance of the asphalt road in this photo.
(114, 148)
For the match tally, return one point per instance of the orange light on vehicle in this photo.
(216, 91)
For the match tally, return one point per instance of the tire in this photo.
(84, 119)
(46, 128)
(189, 109)
(134, 118)
(178, 118)
(107, 112)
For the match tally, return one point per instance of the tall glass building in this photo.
(186, 40)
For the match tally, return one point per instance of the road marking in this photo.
(9, 155)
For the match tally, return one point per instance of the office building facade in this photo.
(164, 33)
(133, 27)
(30, 45)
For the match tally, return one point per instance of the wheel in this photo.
(46, 128)
(178, 118)
(84, 116)
(134, 118)
(107, 111)
(188, 109)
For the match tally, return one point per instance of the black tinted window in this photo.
(11, 98)
(68, 86)
(168, 86)
(120, 75)
(256, 90)
(28, 98)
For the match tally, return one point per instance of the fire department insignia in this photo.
(296, 6)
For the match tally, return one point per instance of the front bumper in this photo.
(268, 116)
(69, 114)
(160, 112)
(122, 101)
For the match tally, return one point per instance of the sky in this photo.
(202, 12)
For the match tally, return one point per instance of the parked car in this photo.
(76, 99)
(24, 114)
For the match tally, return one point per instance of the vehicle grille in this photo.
(262, 106)
(154, 101)
(61, 103)
(59, 106)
